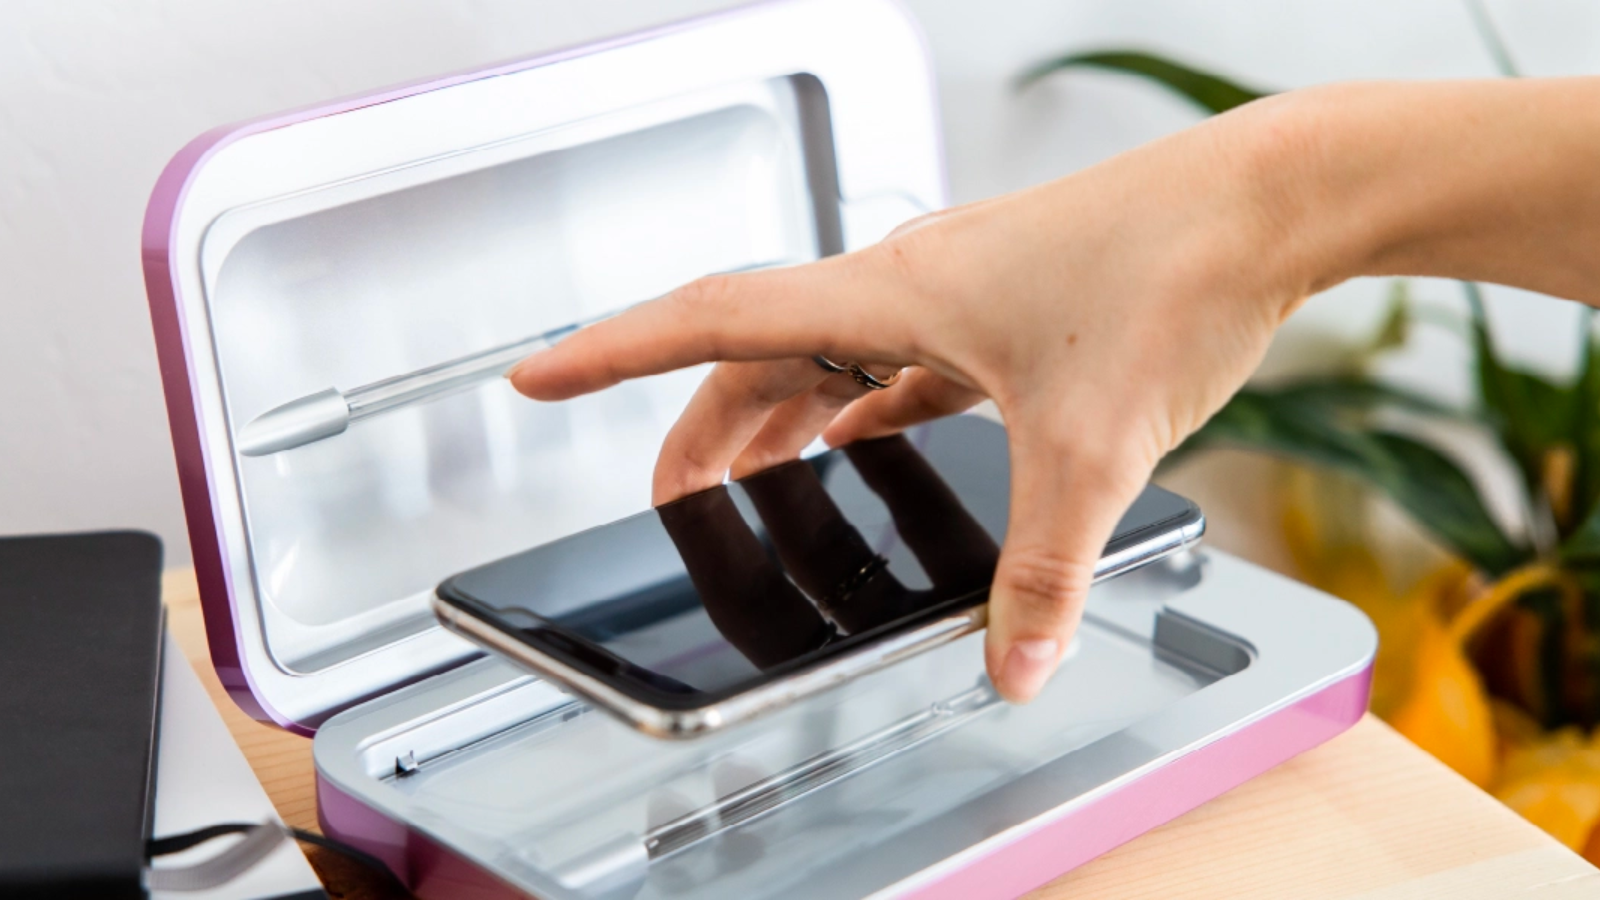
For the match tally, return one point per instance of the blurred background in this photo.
(96, 96)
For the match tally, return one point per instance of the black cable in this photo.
(177, 843)
(354, 855)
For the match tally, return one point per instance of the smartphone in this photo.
(730, 603)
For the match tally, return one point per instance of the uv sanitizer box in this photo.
(345, 245)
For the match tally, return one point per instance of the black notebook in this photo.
(80, 670)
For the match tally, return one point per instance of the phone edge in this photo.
(679, 724)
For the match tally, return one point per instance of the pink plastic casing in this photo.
(1040, 853)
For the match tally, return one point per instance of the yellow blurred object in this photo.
(1447, 711)
(1427, 683)
(1513, 725)
(1405, 622)
(1324, 527)
(1554, 783)
(1557, 470)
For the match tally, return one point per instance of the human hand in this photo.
(1107, 315)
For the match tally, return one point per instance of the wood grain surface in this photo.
(1366, 815)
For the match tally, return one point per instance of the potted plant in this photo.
(1491, 663)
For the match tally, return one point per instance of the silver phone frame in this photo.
(765, 698)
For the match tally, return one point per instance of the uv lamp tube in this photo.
(322, 415)
(328, 413)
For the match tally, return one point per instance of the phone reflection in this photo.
(827, 581)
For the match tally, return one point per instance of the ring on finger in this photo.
(829, 365)
(854, 370)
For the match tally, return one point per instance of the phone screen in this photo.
(712, 594)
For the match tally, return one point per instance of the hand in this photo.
(1107, 315)
(1110, 313)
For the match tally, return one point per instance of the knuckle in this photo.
(912, 301)
(1045, 583)
(766, 393)
(913, 224)
(695, 465)
(698, 312)
(768, 384)
(707, 295)
(897, 254)
(907, 257)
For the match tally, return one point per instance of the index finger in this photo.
(818, 307)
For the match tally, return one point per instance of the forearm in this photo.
(1494, 181)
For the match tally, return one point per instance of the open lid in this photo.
(346, 245)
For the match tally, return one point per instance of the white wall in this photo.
(96, 95)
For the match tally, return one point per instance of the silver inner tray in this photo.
(842, 795)
(360, 281)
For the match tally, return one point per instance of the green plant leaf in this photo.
(1586, 440)
(1422, 481)
(1395, 329)
(1353, 394)
(1345, 399)
(1582, 546)
(1444, 501)
(1210, 92)
(1247, 419)
(1492, 40)
(1529, 414)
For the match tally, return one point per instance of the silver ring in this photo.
(829, 365)
(872, 382)
(862, 376)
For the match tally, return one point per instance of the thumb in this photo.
(1066, 499)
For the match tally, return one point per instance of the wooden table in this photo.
(1366, 815)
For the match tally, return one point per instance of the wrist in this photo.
(1304, 162)
(1479, 180)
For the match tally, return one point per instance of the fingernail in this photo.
(511, 373)
(1028, 664)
